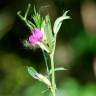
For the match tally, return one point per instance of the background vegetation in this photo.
(76, 48)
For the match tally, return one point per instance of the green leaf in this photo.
(48, 32)
(32, 72)
(37, 19)
(25, 17)
(27, 11)
(59, 21)
(42, 25)
(38, 76)
(58, 69)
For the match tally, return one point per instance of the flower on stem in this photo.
(37, 39)
(36, 36)
(43, 36)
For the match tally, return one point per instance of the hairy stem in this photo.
(53, 75)
(53, 90)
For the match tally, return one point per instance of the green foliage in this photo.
(47, 44)
(48, 32)
(57, 69)
(69, 87)
(36, 90)
(37, 19)
(59, 21)
(24, 18)
(89, 90)
(32, 72)
(39, 76)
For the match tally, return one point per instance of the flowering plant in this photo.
(43, 36)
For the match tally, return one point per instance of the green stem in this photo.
(53, 75)
(53, 90)
(45, 58)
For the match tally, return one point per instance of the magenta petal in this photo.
(36, 36)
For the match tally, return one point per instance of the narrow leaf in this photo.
(59, 21)
(37, 19)
(48, 32)
(27, 11)
(25, 20)
(58, 69)
(32, 72)
(38, 76)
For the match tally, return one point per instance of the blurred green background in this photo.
(75, 50)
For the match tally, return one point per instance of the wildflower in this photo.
(36, 36)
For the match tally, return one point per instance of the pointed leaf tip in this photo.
(38, 76)
(59, 21)
(32, 72)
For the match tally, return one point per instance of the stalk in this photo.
(53, 90)
(46, 63)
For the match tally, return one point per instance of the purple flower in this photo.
(36, 36)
